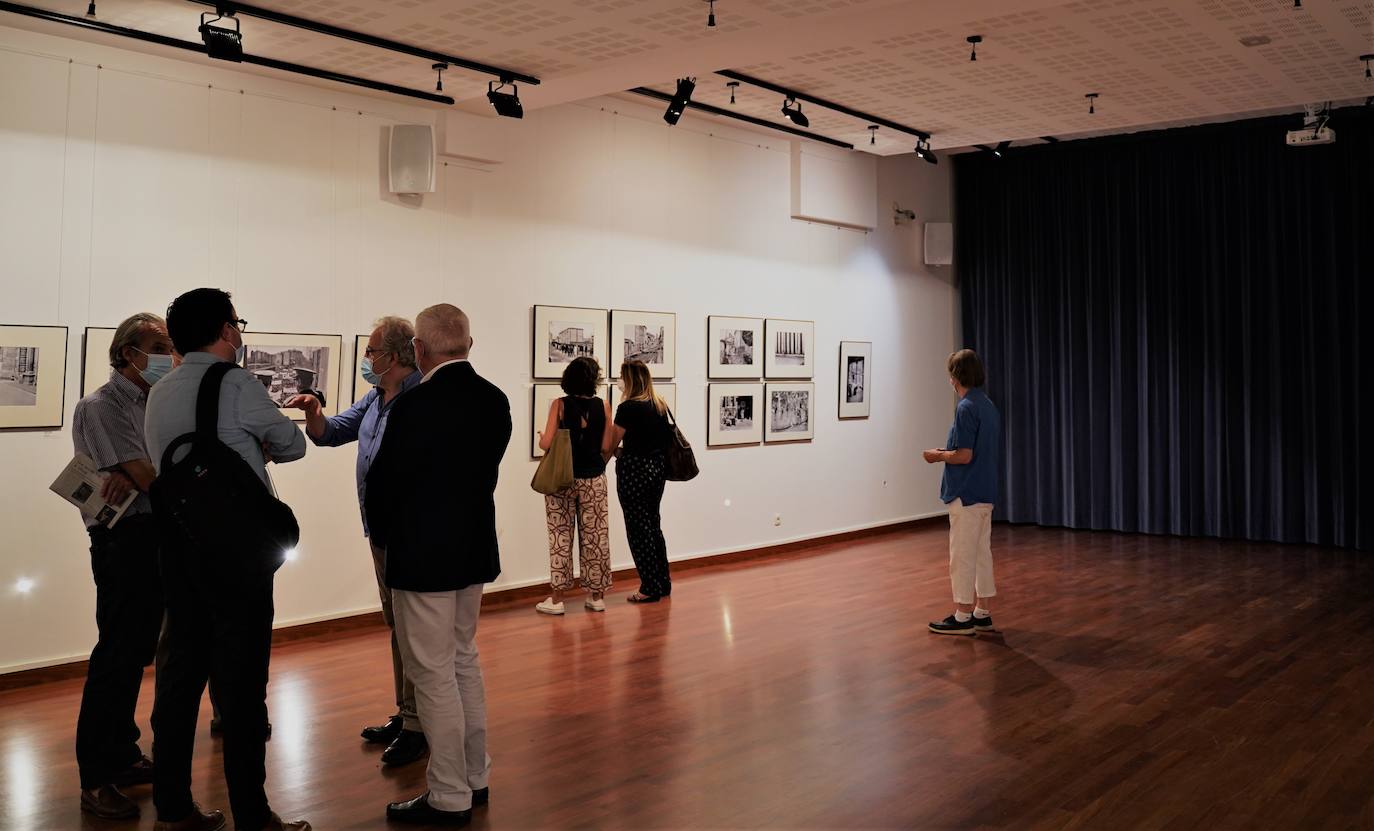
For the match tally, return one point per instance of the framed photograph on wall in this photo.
(360, 385)
(33, 376)
(733, 347)
(790, 349)
(791, 413)
(543, 396)
(734, 414)
(856, 373)
(562, 333)
(95, 358)
(650, 337)
(288, 364)
(668, 392)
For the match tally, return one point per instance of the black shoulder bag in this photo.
(214, 500)
(680, 464)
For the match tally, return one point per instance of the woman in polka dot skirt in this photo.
(639, 440)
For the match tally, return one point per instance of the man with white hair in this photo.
(431, 506)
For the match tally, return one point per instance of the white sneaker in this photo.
(548, 607)
(595, 605)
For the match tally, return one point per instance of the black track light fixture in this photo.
(974, 40)
(923, 151)
(872, 134)
(90, 9)
(711, 15)
(1092, 103)
(1297, 4)
(732, 86)
(678, 105)
(439, 68)
(221, 43)
(994, 150)
(506, 104)
(792, 111)
(1367, 58)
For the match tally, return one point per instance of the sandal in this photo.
(643, 598)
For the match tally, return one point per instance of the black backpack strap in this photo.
(207, 400)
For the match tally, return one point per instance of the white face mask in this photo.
(240, 350)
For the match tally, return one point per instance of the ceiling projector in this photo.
(1314, 129)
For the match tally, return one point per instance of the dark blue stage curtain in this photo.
(1172, 328)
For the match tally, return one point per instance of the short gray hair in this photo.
(445, 330)
(396, 335)
(128, 334)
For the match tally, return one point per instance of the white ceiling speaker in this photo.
(411, 157)
(939, 243)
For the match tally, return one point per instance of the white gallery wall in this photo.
(126, 179)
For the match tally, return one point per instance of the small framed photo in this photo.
(33, 376)
(288, 364)
(790, 349)
(791, 413)
(668, 392)
(856, 373)
(95, 358)
(734, 414)
(360, 385)
(543, 396)
(650, 337)
(733, 347)
(562, 333)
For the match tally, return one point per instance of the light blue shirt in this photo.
(247, 417)
(365, 423)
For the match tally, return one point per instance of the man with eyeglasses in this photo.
(219, 611)
(389, 366)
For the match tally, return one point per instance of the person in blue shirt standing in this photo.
(972, 457)
(389, 365)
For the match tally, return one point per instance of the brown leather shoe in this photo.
(139, 773)
(107, 802)
(276, 824)
(197, 820)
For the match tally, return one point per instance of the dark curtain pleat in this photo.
(1171, 324)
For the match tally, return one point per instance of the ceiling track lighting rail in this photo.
(823, 103)
(738, 116)
(189, 46)
(505, 75)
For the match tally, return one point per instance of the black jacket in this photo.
(431, 489)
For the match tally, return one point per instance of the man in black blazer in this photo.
(431, 506)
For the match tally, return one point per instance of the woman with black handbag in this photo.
(640, 439)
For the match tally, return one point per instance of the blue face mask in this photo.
(157, 369)
(239, 352)
(370, 374)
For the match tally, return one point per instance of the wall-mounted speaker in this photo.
(939, 243)
(412, 158)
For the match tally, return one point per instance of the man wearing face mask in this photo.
(219, 608)
(389, 366)
(108, 427)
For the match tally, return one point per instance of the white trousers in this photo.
(970, 551)
(437, 632)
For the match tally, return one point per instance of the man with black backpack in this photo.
(211, 429)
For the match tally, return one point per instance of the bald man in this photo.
(431, 507)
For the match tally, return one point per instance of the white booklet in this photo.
(80, 482)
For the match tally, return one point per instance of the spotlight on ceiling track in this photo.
(974, 40)
(732, 86)
(439, 68)
(680, 99)
(221, 43)
(505, 103)
(1297, 4)
(1092, 103)
(90, 10)
(923, 151)
(872, 134)
(997, 150)
(711, 15)
(796, 116)
(1367, 58)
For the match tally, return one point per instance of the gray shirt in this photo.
(108, 427)
(247, 417)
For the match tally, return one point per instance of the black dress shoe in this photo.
(384, 733)
(408, 746)
(107, 802)
(139, 773)
(419, 812)
(481, 796)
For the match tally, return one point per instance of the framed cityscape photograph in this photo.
(856, 373)
(543, 395)
(734, 414)
(95, 358)
(33, 376)
(288, 364)
(733, 347)
(650, 337)
(562, 333)
(790, 352)
(791, 413)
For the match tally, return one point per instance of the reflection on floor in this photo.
(1141, 682)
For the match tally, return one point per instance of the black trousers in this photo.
(128, 615)
(639, 483)
(219, 630)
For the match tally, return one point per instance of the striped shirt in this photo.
(108, 427)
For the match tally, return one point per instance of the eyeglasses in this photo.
(369, 351)
(240, 324)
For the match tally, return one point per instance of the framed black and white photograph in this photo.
(791, 412)
(790, 352)
(668, 392)
(360, 385)
(650, 337)
(543, 395)
(33, 376)
(734, 347)
(734, 414)
(289, 364)
(564, 333)
(95, 360)
(856, 373)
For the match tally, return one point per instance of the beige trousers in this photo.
(970, 551)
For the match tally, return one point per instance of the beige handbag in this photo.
(555, 470)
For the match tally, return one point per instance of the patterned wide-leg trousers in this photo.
(584, 507)
(639, 483)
